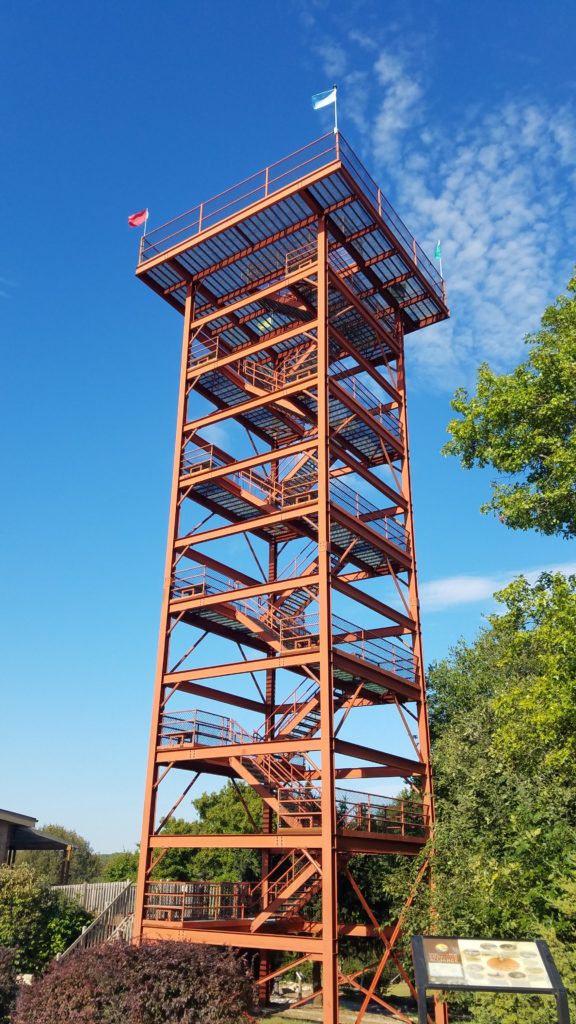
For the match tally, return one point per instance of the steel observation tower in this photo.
(290, 653)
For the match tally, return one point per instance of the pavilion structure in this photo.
(290, 656)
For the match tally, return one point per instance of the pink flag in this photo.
(136, 219)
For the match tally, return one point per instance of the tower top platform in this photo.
(262, 229)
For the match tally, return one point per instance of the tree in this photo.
(503, 720)
(152, 983)
(36, 922)
(118, 867)
(223, 812)
(523, 425)
(83, 865)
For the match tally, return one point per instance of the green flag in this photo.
(438, 251)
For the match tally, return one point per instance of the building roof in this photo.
(13, 818)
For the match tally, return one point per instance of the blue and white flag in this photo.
(324, 99)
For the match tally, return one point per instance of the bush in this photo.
(8, 985)
(155, 983)
(36, 922)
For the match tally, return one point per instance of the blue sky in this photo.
(464, 113)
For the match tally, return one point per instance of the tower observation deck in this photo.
(290, 655)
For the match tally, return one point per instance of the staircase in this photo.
(288, 887)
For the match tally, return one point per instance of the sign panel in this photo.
(485, 964)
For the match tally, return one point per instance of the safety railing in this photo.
(257, 186)
(299, 489)
(355, 811)
(385, 654)
(200, 581)
(198, 459)
(259, 374)
(361, 508)
(388, 214)
(109, 923)
(201, 728)
(302, 563)
(298, 631)
(302, 256)
(204, 350)
(197, 901)
(271, 179)
(300, 696)
(361, 394)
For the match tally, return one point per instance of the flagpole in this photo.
(335, 109)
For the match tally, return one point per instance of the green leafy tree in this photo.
(117, 867)
(523, 424)
(84, 865)
(502, 717)
(36, 922)
(223, 812)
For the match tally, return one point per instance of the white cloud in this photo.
(498, 191)
(333, 59)
(436, 595)
(398, 108)
(498, 195)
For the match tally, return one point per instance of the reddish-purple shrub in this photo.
(8, 985)
(155, 983)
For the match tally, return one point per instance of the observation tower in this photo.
(290, 655)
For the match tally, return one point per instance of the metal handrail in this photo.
(314, 156)
(106, 925)
(384, 654)
(360, 507)
(367, 812)
(364, 396)
(300, 631)
(197, 901)
(240, 196)
(201, 727)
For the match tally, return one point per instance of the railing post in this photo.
(415, 251)
(380, 202)
(266, 173)
(200, 215)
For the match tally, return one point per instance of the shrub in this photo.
(8, 985)
(155, 983)
(36, 922)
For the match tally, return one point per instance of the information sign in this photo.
(490, 965)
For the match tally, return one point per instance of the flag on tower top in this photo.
(324, 99)
(438, 251)
(136, 219)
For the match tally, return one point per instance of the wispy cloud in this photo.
(499, 192)
(452, 591)
(500, 196)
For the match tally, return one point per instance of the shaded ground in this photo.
(280, 1012)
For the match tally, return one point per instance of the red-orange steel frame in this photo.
(297, 289)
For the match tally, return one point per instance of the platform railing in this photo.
(361, 394)
(385, 654)
(361, 508)
(313, 157)
(389, 215)
(201, 728)
(356, 811)
(198, 459)
(300, 631)
(238, 197)
(197, 901)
